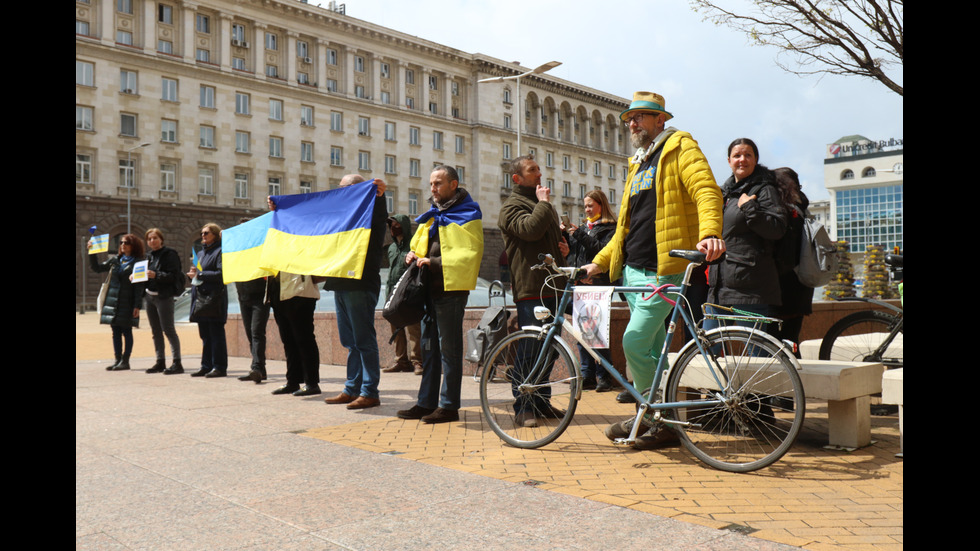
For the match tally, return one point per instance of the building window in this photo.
(612, 196)
(549, 159)
(433, 82)
(455, 88)
(389, 200)
(275, 146)
(124, 6)
(207, 136)
(389, 164)
(242, 104)
(868, 173)
(168, 131)
(363, 126)
(127, 173)
(84, 73)
(461, 172)
(306, 152)
(336, 156)
(612, 172)
(306, 115)
(83, 169)
(127, 124)
(303, 78)
(359, 64)
(433, 108)
(507, 122)
(83, 117)
(242, 141)
(203, 55)
(566, 162)
(386, 98)
(275, 185)
(413, 135)
(124, 37)
(238, 63)
(847, 175)
(331, 85)
(507, 181)
(81, 27)
(165, 14)
(336, 121)
(302, 49)
(168, 89)
(359, 92)
(566, 189)
(581, 166)
(437, 140)
(128, 82)
(409, 76)
(205, 181)
(237, 34)
(597, 168)
(275, 109)
(506, 151)
(581, 191)
(413, 204)
(241, 185)
(165, 46)
(385, 70)
(207, 96)
(203, 24)
(331, 56)
(168, 177)
(271, 41)
(272, 71)
(306, 186)
(413, 168)
(507, 95)
(410, 103)
(389, 131)
(460, 144)
(364, 160)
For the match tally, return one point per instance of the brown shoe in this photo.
(656, 438)
(441, 416)
(418, 367)
(363, 402)
(397, 368)
(342, 398)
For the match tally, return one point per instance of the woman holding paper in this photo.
(164, 278)
(121, 309)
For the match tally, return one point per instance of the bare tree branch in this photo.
(839, 37)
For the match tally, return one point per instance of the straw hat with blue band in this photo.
(646, 102)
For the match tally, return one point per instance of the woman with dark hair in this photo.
(754, 218)
(121, 309)
(797, 299)
(209, 304)
(584, 242)
(164, 274)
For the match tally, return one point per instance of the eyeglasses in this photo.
(206, 232)
(638, 118)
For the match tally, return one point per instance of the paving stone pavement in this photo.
(171, 462)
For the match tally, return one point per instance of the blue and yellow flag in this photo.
(460, 232)
(322, 234)
(241, 250)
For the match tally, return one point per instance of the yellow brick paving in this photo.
(812, 498)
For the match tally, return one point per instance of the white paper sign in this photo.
(139, 271)
(590, 314)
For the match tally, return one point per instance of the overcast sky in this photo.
(716, 85)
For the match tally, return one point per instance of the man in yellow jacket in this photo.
(671, 201)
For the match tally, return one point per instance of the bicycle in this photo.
(869, 335)
(733, 395)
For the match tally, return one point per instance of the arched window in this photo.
(847, 175)
(507, 95)
(868, 172)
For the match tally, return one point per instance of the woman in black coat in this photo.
(209, 304)
(797, 299)
(164, 277)
(754, 219)
(584, 242)
(121, 309)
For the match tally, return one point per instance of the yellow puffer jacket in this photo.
(689, 207)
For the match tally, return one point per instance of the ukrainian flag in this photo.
(322, 234)
(241, 250)
(460, 233)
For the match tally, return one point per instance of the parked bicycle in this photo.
(733, 394)
(869, 335)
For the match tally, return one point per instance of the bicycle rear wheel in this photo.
(859, 336)
(519, 383)
(759, 398)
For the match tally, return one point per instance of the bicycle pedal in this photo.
(622, 442)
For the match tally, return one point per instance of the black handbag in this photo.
(406, 305)
(206, 305)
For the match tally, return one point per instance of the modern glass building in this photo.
(866, 184)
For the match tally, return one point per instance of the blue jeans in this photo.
(526, 355)
(355, 325)
(442, 352)
(643, 340)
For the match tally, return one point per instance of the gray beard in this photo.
(641, 139)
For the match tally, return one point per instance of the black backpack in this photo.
(406, 305)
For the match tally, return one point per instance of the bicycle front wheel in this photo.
(529, 392)
(754, 402)
(859, 337)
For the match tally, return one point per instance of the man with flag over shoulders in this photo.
(671, 201)
(356, 300)
(449, 244)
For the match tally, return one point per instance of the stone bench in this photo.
(892, 392)
(847, 387)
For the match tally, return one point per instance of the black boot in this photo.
(157, 367)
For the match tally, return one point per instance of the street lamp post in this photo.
(520, 111)
(129, 185)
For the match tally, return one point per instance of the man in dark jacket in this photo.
(530, 227)
(399, 248)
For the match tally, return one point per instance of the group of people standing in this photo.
(671, 201)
